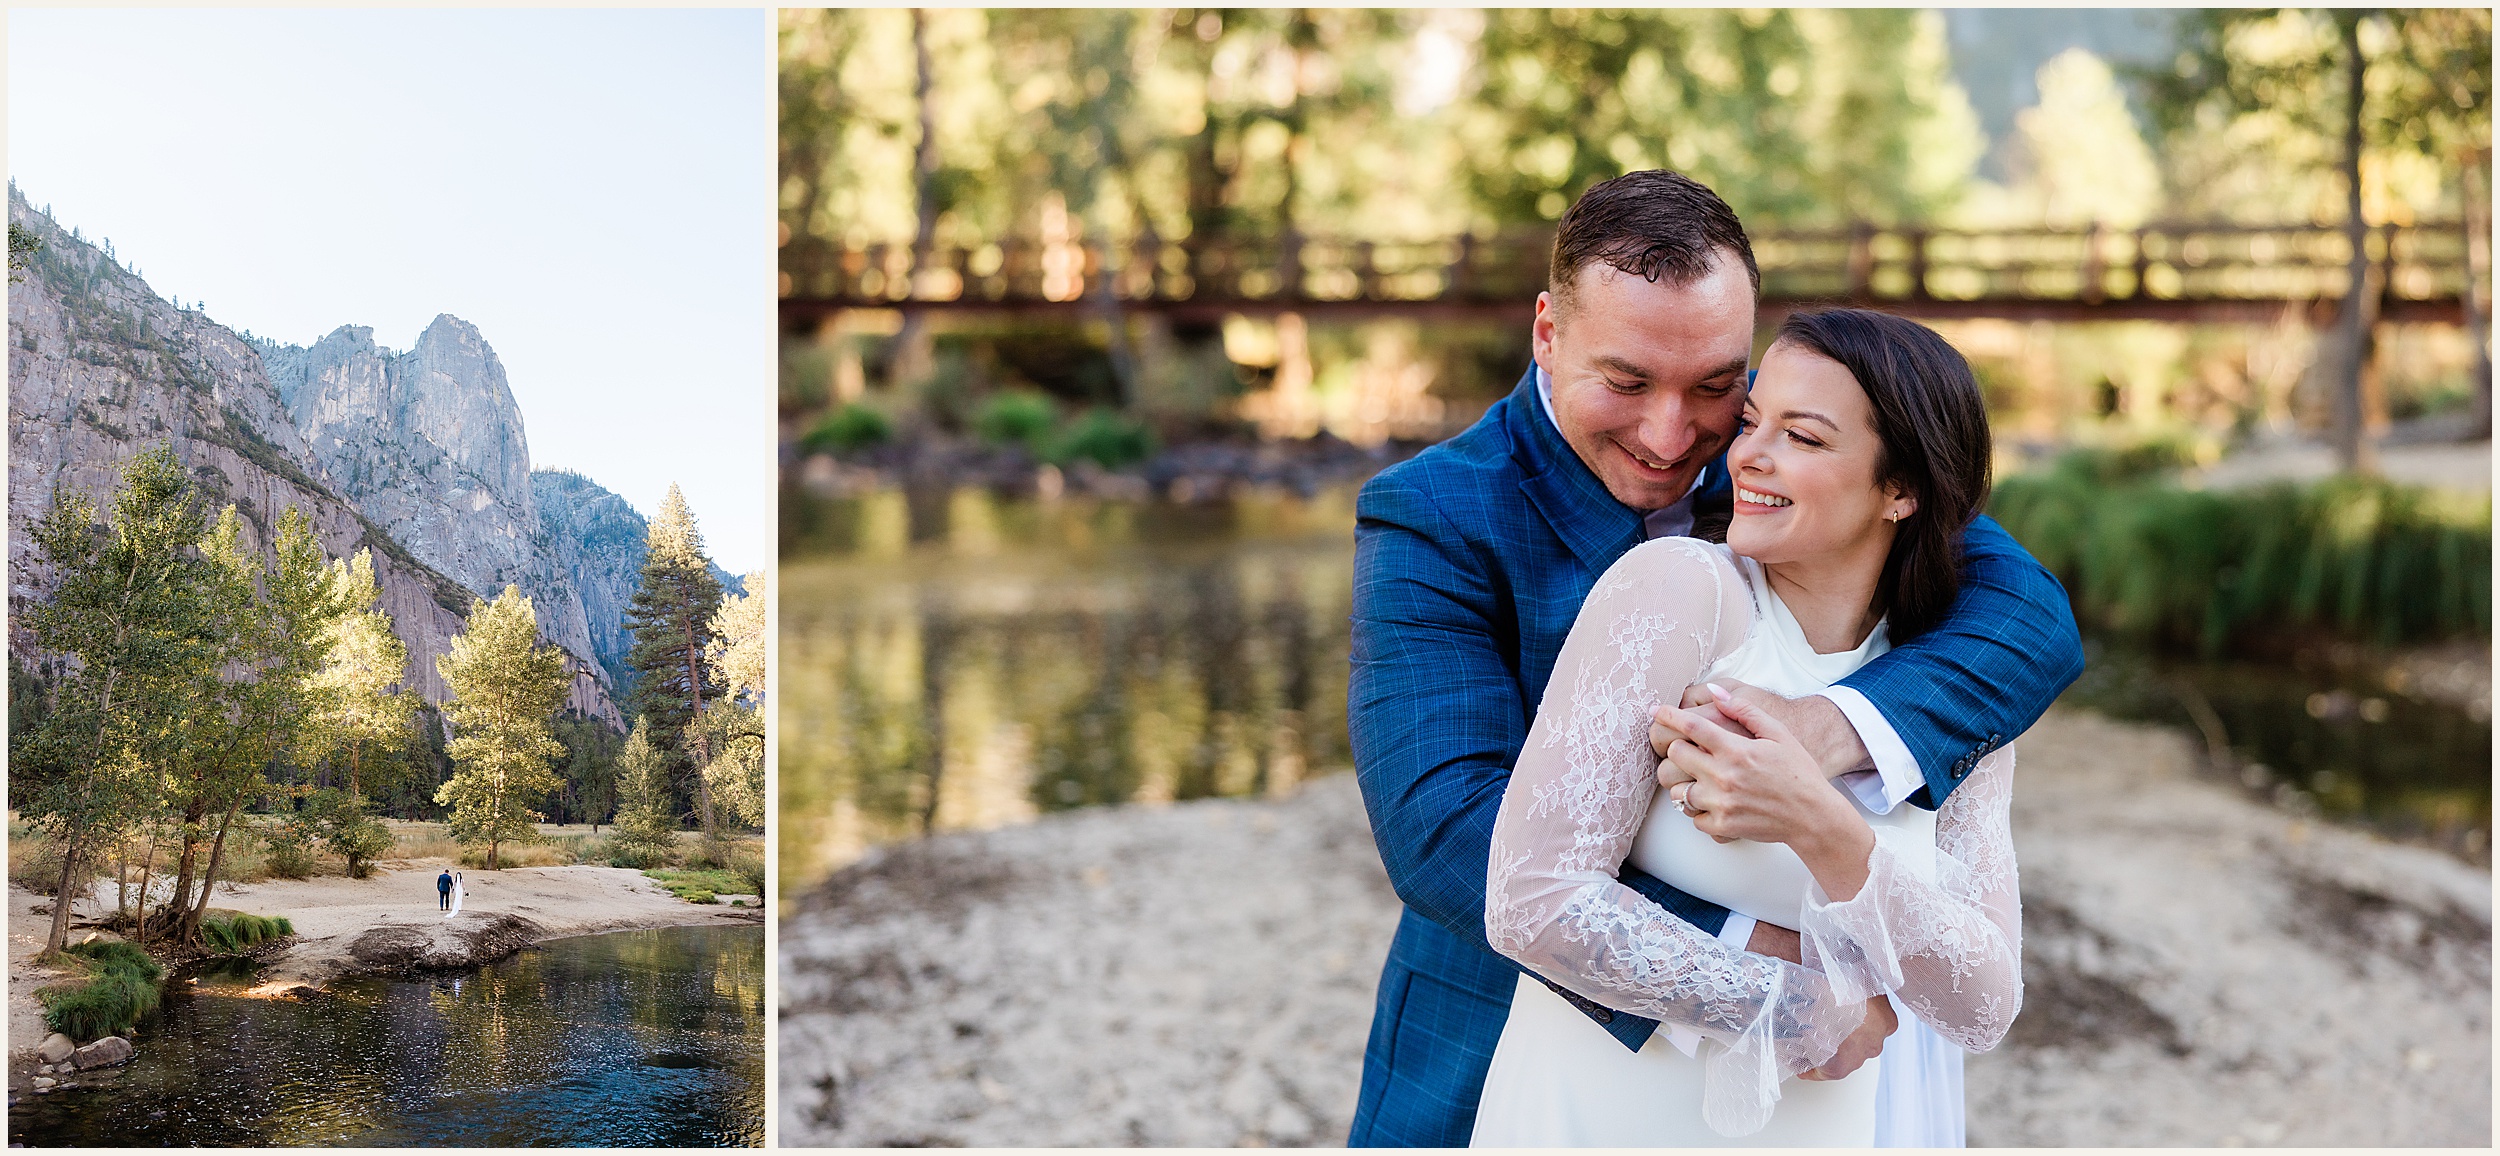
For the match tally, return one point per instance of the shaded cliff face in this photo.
(598, 541)
(101, 367)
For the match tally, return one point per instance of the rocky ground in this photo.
(384, 924)
(2201, 970)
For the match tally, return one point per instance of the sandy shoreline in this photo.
(333, 915)
(2201, 970)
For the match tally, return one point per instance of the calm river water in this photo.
(632, 1039)
(966, 661)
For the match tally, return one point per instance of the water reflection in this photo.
(2314, 736)
(964, 661)
(956, 660)
(635, 1039)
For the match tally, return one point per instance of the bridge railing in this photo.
(2423, 264)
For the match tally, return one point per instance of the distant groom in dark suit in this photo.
(1472, 560)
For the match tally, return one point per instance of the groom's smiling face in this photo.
(1648, 376)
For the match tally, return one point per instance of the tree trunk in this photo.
(147, 872)
(702, 740)
(208, 884)
(912, 354)
(192, 812)
(2475, 173)
(59, 933)
(2353, 449)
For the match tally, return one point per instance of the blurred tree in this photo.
(2076, 157)
(1801, 117)
(2370, 105)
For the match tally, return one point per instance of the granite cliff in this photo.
(418, 456)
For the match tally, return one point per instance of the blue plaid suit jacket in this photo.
(1471, 561)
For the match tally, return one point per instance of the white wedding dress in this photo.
(1937, 926)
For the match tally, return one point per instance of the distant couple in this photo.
(449, 889)
(1701, 841)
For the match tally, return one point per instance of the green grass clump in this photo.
(2148, 559)
(1106, 438)
(121, 990)
(1019, 417)
(240, 932)
(702, 886)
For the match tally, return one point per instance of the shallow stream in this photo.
(637, 1038)
(967, 661)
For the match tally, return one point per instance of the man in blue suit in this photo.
(1472, 560)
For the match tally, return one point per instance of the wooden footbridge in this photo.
(2168, 272)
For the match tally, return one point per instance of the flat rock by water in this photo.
(2200, 969)
(104, 1053)
(455, 942)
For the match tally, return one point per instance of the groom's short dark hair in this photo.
(1653, 223)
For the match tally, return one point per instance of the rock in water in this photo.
(105, 1053)
(468, 943)
(55, 1048)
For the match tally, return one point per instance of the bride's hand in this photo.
(1768, 789)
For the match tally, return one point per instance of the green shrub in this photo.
(2157, 563)
(122, 990)
(1106, 438)
(287, 844)
(639, 856)
(851, 427)
(1017, 417)
(702, 886)
(347, 827)
(748, 864)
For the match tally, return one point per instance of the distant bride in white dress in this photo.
(1864, 452)
(459, 891)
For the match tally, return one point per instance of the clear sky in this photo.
(592, 189)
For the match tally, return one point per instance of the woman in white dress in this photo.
(1863, 454)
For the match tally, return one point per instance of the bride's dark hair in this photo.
(1934, 430)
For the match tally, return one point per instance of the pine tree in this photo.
(671, 621)
(505, 692)
(646, 827)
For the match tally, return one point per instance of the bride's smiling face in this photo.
(1804, 463)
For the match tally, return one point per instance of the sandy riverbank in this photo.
(389, 922)
(2202, 970)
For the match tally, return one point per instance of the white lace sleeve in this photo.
(1578, 797)
(1939, 927)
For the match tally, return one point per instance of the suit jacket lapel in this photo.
(1597, 528)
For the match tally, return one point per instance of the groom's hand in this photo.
(1815, 720)
(1779, 942)
(1862, 1044)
